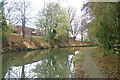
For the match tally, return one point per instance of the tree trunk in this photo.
(45, 33)
(68, 38)
(46, 28)
(23, 30)
(81, 36)
(23, 23)
(23, 73)
(74, 38)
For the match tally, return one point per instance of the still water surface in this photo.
(47, 63)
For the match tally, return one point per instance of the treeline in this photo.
(54, 22)
(104, 27)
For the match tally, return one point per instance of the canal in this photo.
(46, 63)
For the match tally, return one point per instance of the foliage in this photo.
(6, 29)
(7, 34)
(3, 20)
(53, 21)
(104, 29)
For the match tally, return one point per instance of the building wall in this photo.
(28, 31)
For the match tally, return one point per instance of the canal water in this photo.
(46, 63)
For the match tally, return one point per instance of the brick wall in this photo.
(28, 31)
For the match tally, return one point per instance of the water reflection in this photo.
(50, 63)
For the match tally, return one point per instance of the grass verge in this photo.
(108, 64)
(78, 61)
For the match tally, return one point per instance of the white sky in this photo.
(77, 4)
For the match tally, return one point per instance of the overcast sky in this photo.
(64, 3)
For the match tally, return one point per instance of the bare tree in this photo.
(85, 19)
(76, 24)
(71, 15)
(18, 13)
(76, 28)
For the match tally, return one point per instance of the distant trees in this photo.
(71, 15)
(83, 28)
(75, 29)
(53, 20)
(86, 18)
(75, 22)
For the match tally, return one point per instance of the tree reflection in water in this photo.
(50, 63)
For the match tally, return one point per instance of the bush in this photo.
(6, 35)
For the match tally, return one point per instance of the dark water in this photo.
(48, 63)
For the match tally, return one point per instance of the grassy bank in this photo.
(108, 64)
(15, 43)
(78, 61)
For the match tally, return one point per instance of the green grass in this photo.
(80, 57)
